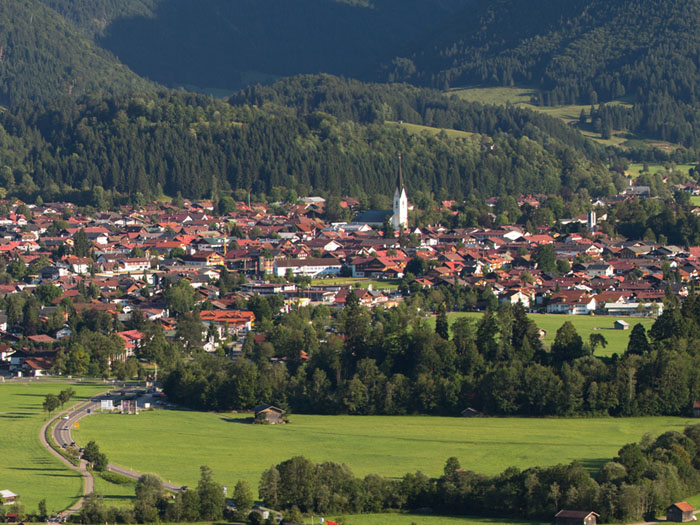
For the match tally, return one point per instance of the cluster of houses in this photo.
(276, 248)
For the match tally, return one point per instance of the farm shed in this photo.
(621, 325)
(576, 517)
(269, 414)
(680, 512)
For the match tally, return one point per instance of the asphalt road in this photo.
(62, 436)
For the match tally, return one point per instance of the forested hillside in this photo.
(582, 51)
(43, 57)
(94, 16)
(576, 52)
(288, 136)
(228, 44)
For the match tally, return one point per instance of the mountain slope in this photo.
(229, 44)
(579, 51)
(42, 56)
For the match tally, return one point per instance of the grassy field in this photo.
(115, 495)
(585, 325)
(522, 96)
(417, 129)
(357, 281)
(422, 519)
(26, 467)
(635, 170)
(174, 444)
(695, 200)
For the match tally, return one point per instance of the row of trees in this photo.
(53, 401)
(380, 361)
(641, 481)
(206, 502)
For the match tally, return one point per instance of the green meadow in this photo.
(585, 325)
(635, 170)
(417, 129)
(570, 113)
(174, 444)
(391, 284)
(422, 519)
(26, 467)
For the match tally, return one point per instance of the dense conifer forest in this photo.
(338, 143)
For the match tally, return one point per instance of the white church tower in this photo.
(400, 219)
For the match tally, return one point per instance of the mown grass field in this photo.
(422, 519)
(26, 467)
(357, 281)
(585, 325)
(174, 444)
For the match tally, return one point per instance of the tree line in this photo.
(640, 482)
(362, 361)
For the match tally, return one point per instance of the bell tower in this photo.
(400, 218)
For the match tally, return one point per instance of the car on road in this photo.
(66, 428)
(65, 417)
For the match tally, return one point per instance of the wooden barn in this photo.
(576, 517)
(269, 414)
(680, 512)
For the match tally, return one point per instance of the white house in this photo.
(308, 267)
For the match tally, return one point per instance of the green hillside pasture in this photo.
(522, 96)
(423, 519)
(635, 170)
(495, 95)
(585, 325)
(174, 444)
(417, 129)
(26, 467)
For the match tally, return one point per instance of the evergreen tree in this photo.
(441, 323)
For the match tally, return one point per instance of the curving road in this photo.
(61, 434)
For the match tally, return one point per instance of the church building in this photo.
(400, 218)
(398, 215)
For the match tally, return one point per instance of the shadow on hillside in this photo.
(593, 465)
(245, 421)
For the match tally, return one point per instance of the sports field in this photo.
(174, 444)
(391, 284)
(26, 467)
(585, 325)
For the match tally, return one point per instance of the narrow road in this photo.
(62, 436)
(88, 480)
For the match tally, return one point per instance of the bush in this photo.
(113, 477)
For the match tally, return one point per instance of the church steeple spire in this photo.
(399, 177)
(400, 218)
